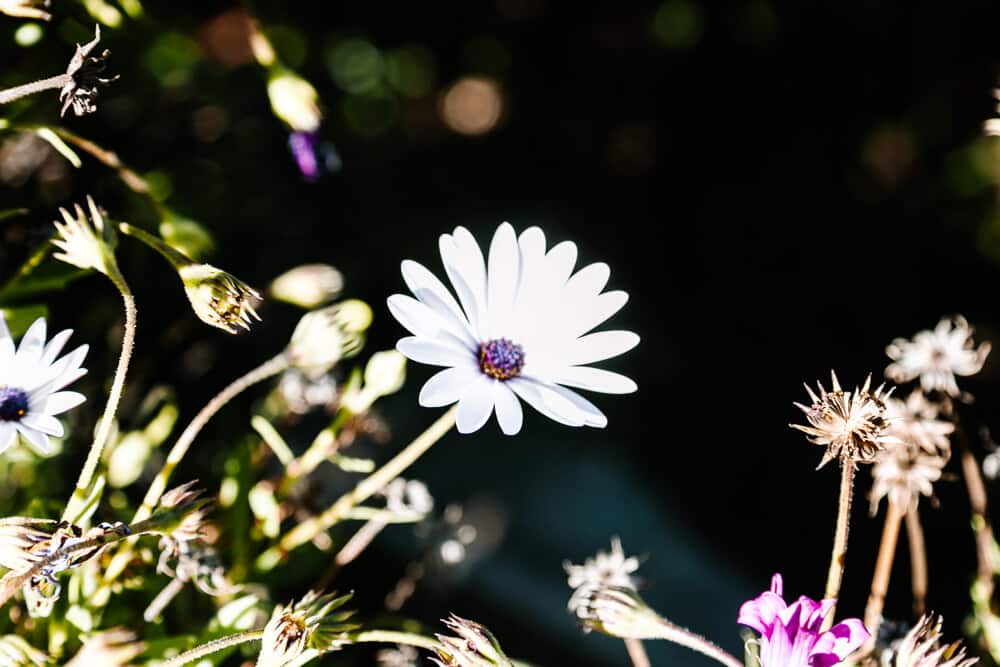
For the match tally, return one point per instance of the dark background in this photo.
(782, 188)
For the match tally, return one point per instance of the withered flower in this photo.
(84, 78)
(309, 623)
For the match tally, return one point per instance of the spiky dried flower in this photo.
(914, 421)
(84, 80)
(605, 569)
(86, 243)
(937, 356)
(921, 647)
(903, 473)
(851, 425)
(618, 611)
(475, 646)
(218, 298)
(309, 623)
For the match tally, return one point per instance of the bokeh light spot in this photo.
(472, 106)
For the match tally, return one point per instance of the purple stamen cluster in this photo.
(501, 358)
(13, 403)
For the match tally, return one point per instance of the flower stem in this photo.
(839, 554)
(918, 560)
(213, 646)
(17, 92)
(883, 570)
(695, 642)
(268, 369)
(121, 559)
(636, 653)
(73, 507)
(393, 637)
(307, 530)
(177, 259)
(980, 522)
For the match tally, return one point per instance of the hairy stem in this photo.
(17, 92)
(307, 530)
(883, 570)
(73, 507)
(839, 554)
(980, 521)
(695, 642)
(918, 560)
(636, 653)
(213, 646)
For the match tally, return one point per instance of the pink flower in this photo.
(790, 635)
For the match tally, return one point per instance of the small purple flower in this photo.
(309, 153)
(790, 635)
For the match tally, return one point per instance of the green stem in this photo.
(839, 555)
(73, 507)
(176, 258)
(307, 530)
(213, 646)
(393, 637)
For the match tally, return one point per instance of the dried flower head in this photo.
(475, 646)
(914, 422)
(937, 356)
(86, 243)
(921, 647)
(219, 299)
(80, 91)
(606, 569)
(324, 337)
(619, 612)
(903, 473)
(116, 647)
(309, 623)
(850, 424)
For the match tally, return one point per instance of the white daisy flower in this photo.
(31, 380)
(937, 356)
(521, 330)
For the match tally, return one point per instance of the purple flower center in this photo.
(13, 403)
(501, 359)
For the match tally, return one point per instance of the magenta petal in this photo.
(777, 586)
(838, 642)
(821, 611)
(761, 612)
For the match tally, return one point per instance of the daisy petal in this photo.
(55, 346)
(447, 386)
(592, 416)
(508, 409)
(38, 440)
(600, 346)
(62, 401)
(588, 281)
(502, 278)
(476, 405)
(418, 277)
(44, 423)
(4, 331)
(595, 379)
(546, 400)
(7, 435)
(594, 312)
(438, 352)
(414, 315)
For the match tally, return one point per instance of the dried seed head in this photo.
(219, 298)
(903, 473)
(605, 569)
(851, 425)
(937, 356)
(309, 623)
(618, 611)
(921, 647)
(475, 646)
(84, 70)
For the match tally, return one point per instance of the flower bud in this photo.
(306, 624)
(475, 646)
(385, 373)
(620, 612)
(294, 100)
(324, 337)
(86, 243)
(308, 286)
(219, 298)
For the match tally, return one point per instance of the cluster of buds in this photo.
(474, 646)
(311, 623)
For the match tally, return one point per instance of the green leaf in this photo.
(20, 318)
(57, 143)
(37, 276)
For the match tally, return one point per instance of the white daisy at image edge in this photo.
(30, 382)
(521, 330)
